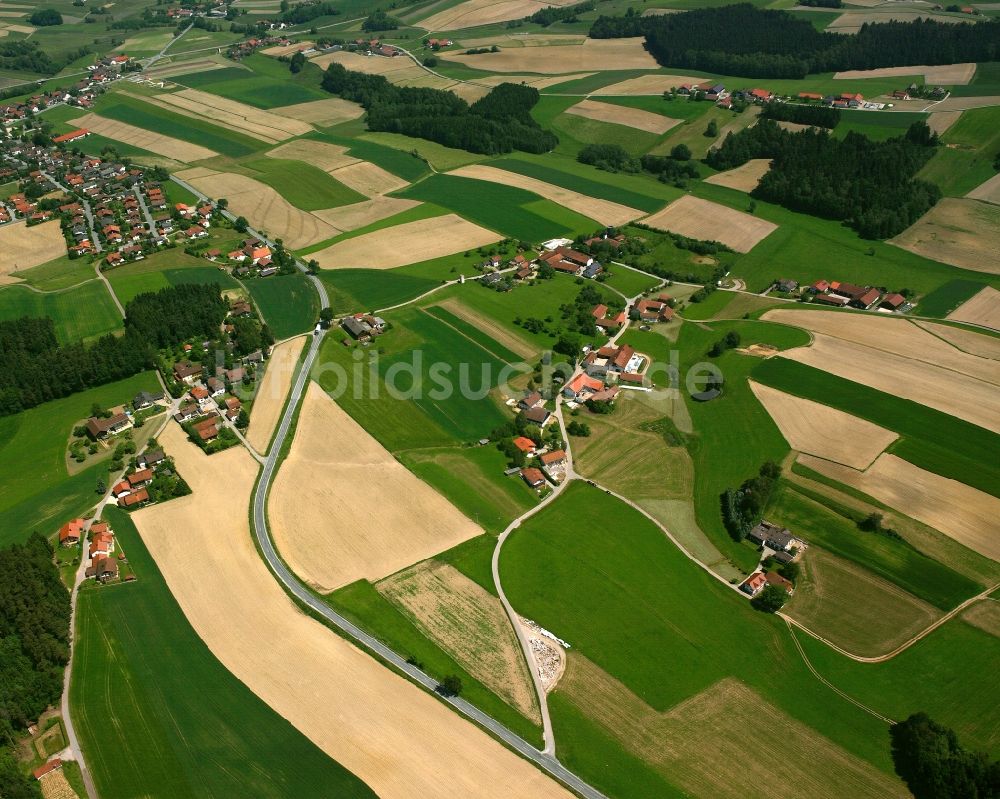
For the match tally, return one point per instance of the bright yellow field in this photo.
(272, 391)
(702, 219)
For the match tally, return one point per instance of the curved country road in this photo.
(543, 760)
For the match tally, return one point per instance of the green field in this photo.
(440, 157)
(947, 297)
(930, 439)
(399, 162)
(83, 312)
(61, 273)
(157, 714)
(303, 185)
(967, 160)
(509, 210)
(36, 491)
(197, 131)
(166, 268)
(360, 289)
(252, 88)
(892, 559)
(288, 303)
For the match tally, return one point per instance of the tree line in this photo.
(38, 368)
(822, 116)
(743, 507)
(869, 185)
(26, 55)
(551, 14)
(34, 648)
(498, 123)
(744, 40)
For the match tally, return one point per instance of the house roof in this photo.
(537, 415)
(524, 444)
(550, 458)
(584, 381)
(773, 578)
(532, 476)
(140, 476)
(72, 529)
(755, 581)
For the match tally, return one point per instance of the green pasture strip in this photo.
(821, 521)
(36, 491)
(932, 440)
(84, 312)
(947, 297)
(159, 715)
(305, 186)
(399, 162)
(474, 333)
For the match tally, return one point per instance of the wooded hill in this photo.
(744, 40)
(869, 185)
(498, 123)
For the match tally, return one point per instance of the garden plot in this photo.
(823, 431)
(392, 735)
(703, 219)
(621, 115)
(178, 150)
(969, 516)
(592, 55)
(409, 243)
(964, 233)
(982, 309)
(343, 508)
(604, 211)
(470, 624)
(742, 178)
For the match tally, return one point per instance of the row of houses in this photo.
(841, 295)
(102, 553)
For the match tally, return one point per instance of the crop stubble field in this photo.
(621, 115)
(178, 150)
(342, 508)
(393, 736)
(982, 309)
(22, 247)
(704, 219)
(270, 398)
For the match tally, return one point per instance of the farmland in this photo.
(303, 185)
(140, 666)
(288, 303)
(79, 313)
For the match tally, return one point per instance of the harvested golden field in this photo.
(707, 744)
(988, 191)
(523, 40)
(742, 178)
(499, 333)
(592, 55)
(851, 21)
(470, 92)
(54, 785)
(471, 13)
(321, 112)
(980, 344)
(370, 65)
(368, 179)
(264, 208)
(982, 309)
(22, 247)
(823, 431)
(937, 387)
(853, 608)
(603, 211)
(963, 233)
(286, 49)
(940, 121)
(948, 75)
(793, 127)
(264, 125)
(409, 243)
(532, 80)
(271, 392)
(647, 84)
(889, 334)
(178, 150)
(327, 157)
(969, 516)
(703, 219)
(357, 215)
(620, 115)
(985, 615)
(395, 737)
(470, 624)
(962, 103)
(343, 508)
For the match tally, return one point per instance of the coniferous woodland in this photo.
(34, 632)
(744, 40)
(498, 123)
(819, 115)
(870, 185)
(39, 368)
(551, 14)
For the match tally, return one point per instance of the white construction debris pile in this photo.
(547, 650)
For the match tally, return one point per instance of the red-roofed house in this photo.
(581, 385)
(47, 768)
(533, 477)
(524, 444)
(70, 533)
(893, 302)
(140, 478)
(753, 584)
(73, 135)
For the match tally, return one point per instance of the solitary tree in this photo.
(681, 152)
(712, 130)
(241, 224)
(326, 315)
(451, 685)
(770, 599)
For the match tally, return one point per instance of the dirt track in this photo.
(343, 508)
(399, 740)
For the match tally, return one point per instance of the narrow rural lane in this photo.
(545, 761)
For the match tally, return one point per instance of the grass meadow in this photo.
(158, 714)
(288, 303)
(303, 185)
(392, 159)
(36, 491)
(61, 273)
(507, 209)
(967, 161)
(948, 296)
(166, 268)
(80, 313)
(581, 580)
(359, 289)
(929, 438)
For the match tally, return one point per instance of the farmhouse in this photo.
(538, 415)
(140, 478)
(120, 489)
(151, 459)
(831, 299)
(773, 578)
(753, 584)
(73, 135)
(531, 400)
(554, 464)
(893, 302)
(652, 311)
(867, 300)
(103, 569)
(71, 533)
(526, 445)
(102, 428)
(145, 399)
(773, 537)
(186, 372)
(581, 387)
(47, 768)
(532, 476)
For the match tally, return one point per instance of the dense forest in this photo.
(497, 123)
(547, 16)
(39, 369)
(34, 648)
(23, 54)
(744, 40)
(934, 765)
(819, 115)
(867, 184)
